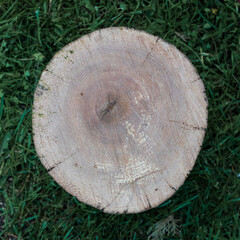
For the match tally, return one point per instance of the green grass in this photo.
(33, 206)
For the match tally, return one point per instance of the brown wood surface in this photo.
(119, 118)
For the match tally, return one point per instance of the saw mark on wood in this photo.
(136, 171)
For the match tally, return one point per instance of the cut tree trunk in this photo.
(119, 118)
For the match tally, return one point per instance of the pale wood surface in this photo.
(119, 118)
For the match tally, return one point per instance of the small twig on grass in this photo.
(12, 235)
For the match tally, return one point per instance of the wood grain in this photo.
(119, 118)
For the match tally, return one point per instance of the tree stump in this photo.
(119, 118)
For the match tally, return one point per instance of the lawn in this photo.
(33, 206)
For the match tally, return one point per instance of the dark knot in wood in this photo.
(111, 103)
